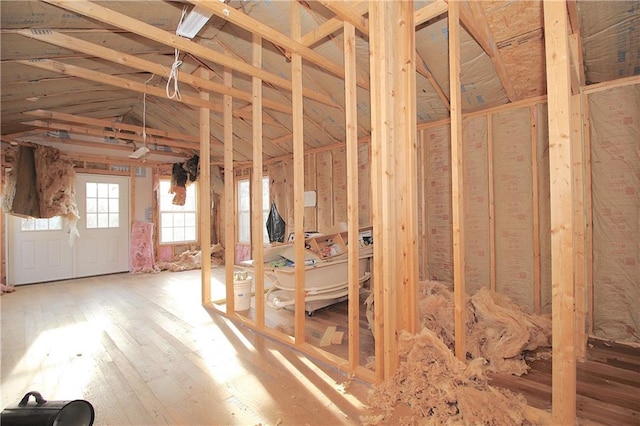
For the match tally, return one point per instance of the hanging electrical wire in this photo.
(173, 75)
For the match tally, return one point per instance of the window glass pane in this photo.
(103, 220)
(114, 205)
(28, 224)
(167, 235)
(178, 219)
(177, 223)
(167, 220)
(92, 205)
(114, 220)
(92, 220)
(92, 189)
(55, 222)
(114, 190)
(103, 205)
(103, 190)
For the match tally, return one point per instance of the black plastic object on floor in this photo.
(48, 413)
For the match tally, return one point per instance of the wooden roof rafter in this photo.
(107, 146)
(116, 126)
(254, 26)
(473, 18)
(62, 40)
(119, 20)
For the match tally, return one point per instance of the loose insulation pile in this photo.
(192, 259)
(436, 388)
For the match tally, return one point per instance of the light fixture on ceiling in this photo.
(193, 22)
(140, 152)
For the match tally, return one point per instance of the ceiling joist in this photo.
(73, 43)
(108, 16)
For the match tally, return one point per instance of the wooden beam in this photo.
(254, 26)
(393, 166)
(204, 196)
(473, 17)
(91, 131)
(298, 177)
(73, 43)
(492, 205)
(72, 118)
(257, 223)
(579, 219)
(331, 26)
(430, 11)
(351, 118)
(535, 202)
(42, 139)
(230, 219)
(562, 248)
(457, 181)
(421, 67)
(346, 13)
(119, 20)
(123, 83)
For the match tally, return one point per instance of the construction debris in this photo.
(192, 259)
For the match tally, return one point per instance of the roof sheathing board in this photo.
(517, 29)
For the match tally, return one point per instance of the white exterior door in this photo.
(103, 204)
(36, 253)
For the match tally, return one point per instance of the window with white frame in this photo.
(244, 210)
(178, 224)
(102, 205)
(33, 224)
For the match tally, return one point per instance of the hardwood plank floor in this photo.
(143, 351)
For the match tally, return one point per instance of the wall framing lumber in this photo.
(229, 191)
(577, 157)
(393, 151)
(73, 43)
(537, 281)
(351, 117)
(108, 16)
(204, 183)
(562, 248)
(298, 178)
(123, 83)
(457, 182)
(492, 205)
(588, 200)
(257, 229)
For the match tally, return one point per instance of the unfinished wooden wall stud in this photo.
(562, 248)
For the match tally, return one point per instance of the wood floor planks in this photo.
(143, 351)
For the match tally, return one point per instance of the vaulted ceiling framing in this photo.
(99, 59)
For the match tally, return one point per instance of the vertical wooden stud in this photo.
(562, 249)
(257, 220)
(492, 205)
(204, 196)
(457, 174)
(393, 152)
(378, 136)
(351, 118)
(588, 206)
(577, 156)
(537, 291)
(298, 176)
(229, 191)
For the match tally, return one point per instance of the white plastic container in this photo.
(242, 294)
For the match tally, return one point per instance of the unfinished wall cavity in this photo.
(615, 168)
